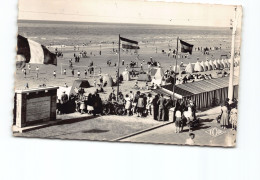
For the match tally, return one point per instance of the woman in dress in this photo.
(128, 104)
(140, 105)
(224, 116)
(177, 121)
(233, 118)
(149, 104)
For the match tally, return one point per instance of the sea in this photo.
(78, 33)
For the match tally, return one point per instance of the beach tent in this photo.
(178, 69)
(144, 77)
(62, 89)
(189, 68)
(157, 73)
(207, 64)
(224, 63)
(216, 64)
(197, 67)
(126, 75)
(227, 63)
(108, 80)
(79, 83)
(212, 65)
(221, 66)
(203, 66)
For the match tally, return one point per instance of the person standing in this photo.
(149, 104)
(85, 73)
(64, 100)
(155, 107)
(72, 72)
(224, 116)
(233, 118)
(37, 72)
(24, 72)
(54, 74)
(78, 74)
(140, 106)
(161, 103)
(123, 62)
(128, 104)
(29, 68)
(65, 72)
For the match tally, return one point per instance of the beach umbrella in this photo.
(189, 68)
(209, 67)
(203, 66)
(212, 65)
(197, 67)
(216, 64)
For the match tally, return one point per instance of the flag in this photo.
(33, 52)
(186, 47)
(130, 44)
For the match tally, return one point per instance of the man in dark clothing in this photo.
(161, 103)
(64, 100)
(155, 107)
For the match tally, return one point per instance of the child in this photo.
(233, 118)
(190, 140)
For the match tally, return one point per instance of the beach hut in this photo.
(178, 69)
(197, 67)
(209, 67)
(144, 77)
(126, 76)
(189, 68)
(203, 66)
(157, 73)
(107, 79)
(216, 64)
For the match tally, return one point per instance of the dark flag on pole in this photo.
(130, 44)
(186, 47)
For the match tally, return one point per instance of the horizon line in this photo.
(121, 23)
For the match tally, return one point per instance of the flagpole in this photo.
(118, 66)
(231, 87)
(175, 68)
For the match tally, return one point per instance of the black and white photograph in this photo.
(128, 71)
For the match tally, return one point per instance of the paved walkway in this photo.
(112, 128)
(208, 133)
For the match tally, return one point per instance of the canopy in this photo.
(126, 75)
(189, 68)
(203, 92)
(144, 77)
(157, 73)
(197, 67)
(107, 79)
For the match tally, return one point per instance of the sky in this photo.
(127, 11)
